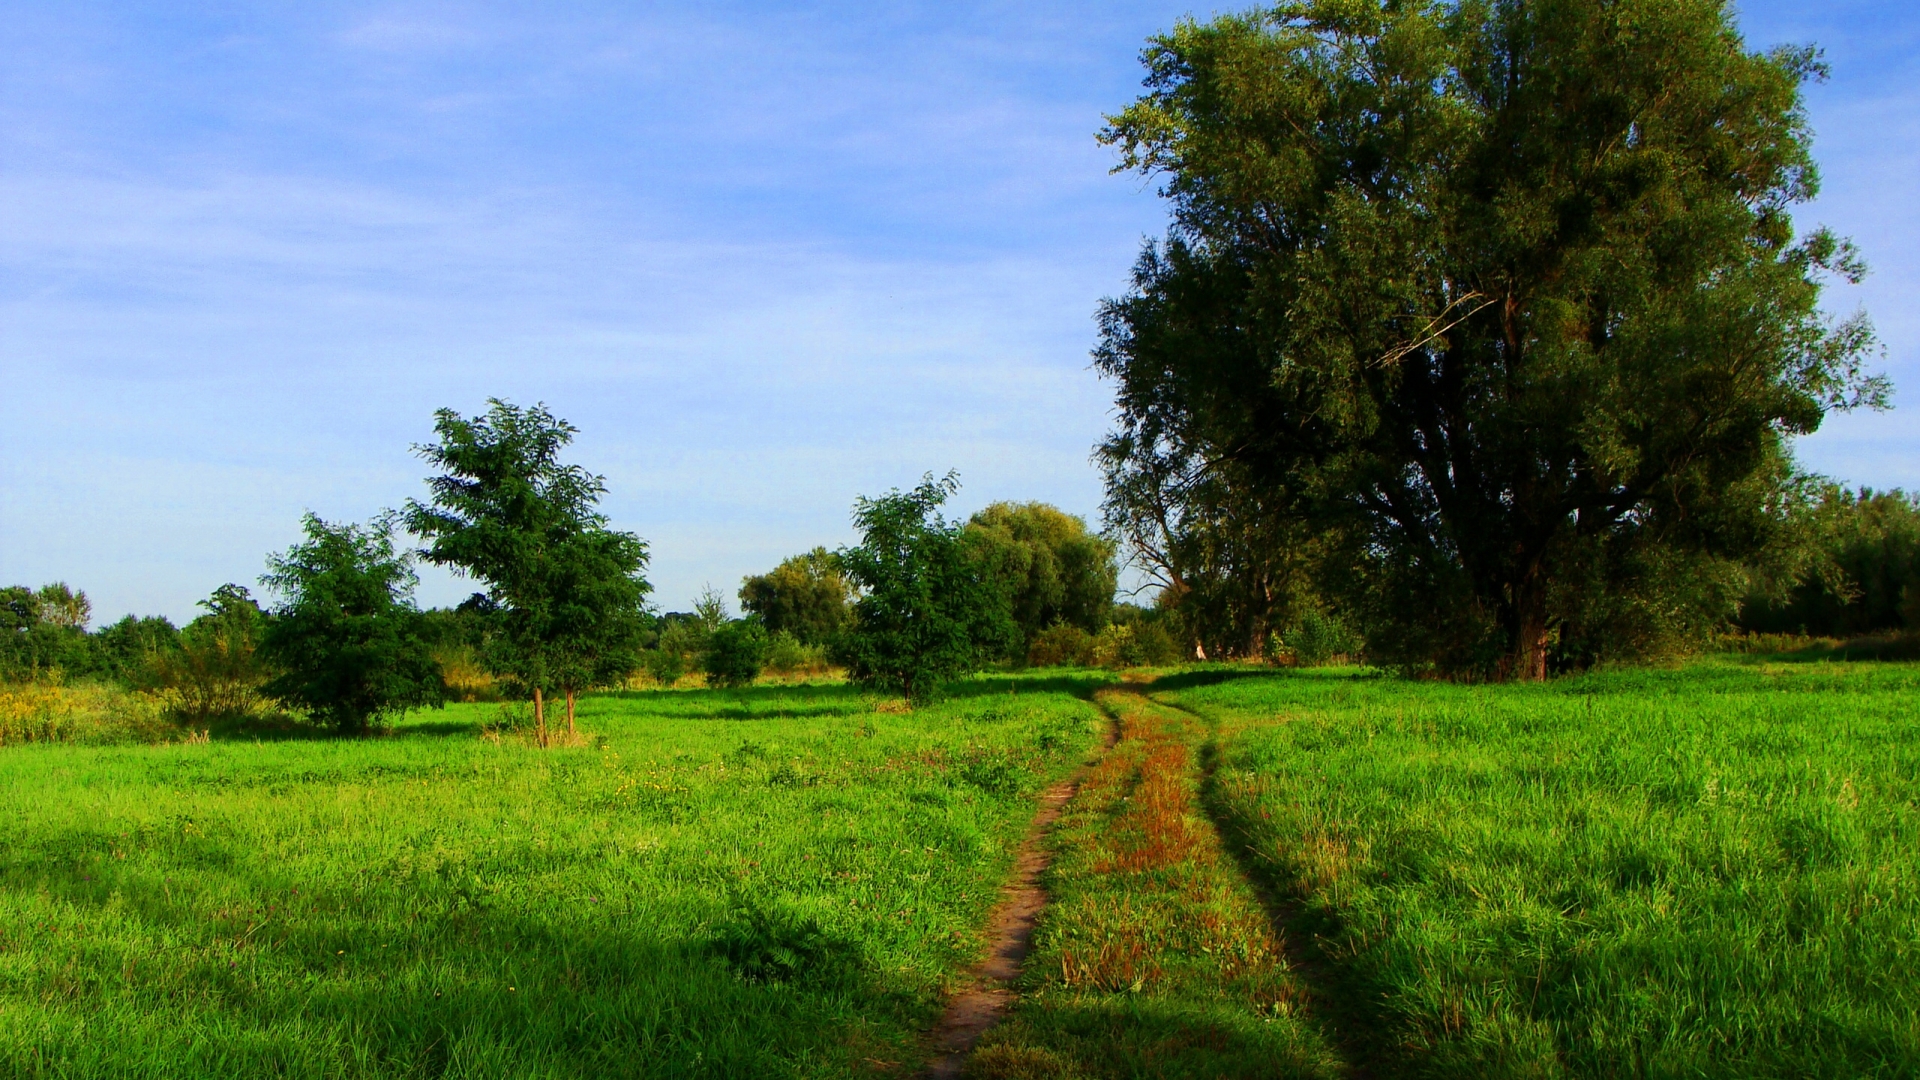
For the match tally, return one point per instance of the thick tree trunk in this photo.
(1529, 660)
(539, 718)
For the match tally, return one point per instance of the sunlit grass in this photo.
(1156, 957)
(1708, 871)
(435, 903)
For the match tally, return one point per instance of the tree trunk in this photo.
(570, 732)
(1529, 661)
(539, 718)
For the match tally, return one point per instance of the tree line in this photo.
(1476, 345)
(562, 608)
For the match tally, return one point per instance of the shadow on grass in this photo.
(1887, 647)
(282, 728)
(1133, 1035)
(1075, 682)
(1345, 1001)
(574, 996)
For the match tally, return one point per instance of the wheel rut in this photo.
(1285, 912)
(980, 1004)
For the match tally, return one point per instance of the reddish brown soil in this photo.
(977, 1007)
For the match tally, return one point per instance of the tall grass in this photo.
(754, 883)
(87, 714)
(1706, 872)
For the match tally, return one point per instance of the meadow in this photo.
(1711, 871)
(779, 881)
(1702, 871)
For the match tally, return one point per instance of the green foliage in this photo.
(346, 640)
(569, 592)
(927, 612)
(1317, 639)
(735, 653)
(434, 903)
(1134, 644)
(806, 596)
(217, 672)
(1475, 298)
(788, 655)
(1060, 645)
(769, 943)
(43, 633)
(131, 650)
(679, 640)
(1863, 575)
(1051, 569)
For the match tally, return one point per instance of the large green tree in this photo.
(928, 610)
(346, 640)
(1051, 568)
(568, 592)
(1505, 294)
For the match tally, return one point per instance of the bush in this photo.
(215, 672)
(788, 655)
(1136, 644)
(735, 653)
(1061, 645)
(346, 640)
(1316, 641)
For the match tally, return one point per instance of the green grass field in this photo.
(1711, 871)
(778, 882)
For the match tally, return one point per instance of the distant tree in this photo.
(133, 649)
(43, 632)
(735, 653)
(1861, 572)
(1051, 568)
(928, 612)
(710, 609)
(807, 596)
(345, 639)
(569, 591)
(63, 607)
(1505, 296)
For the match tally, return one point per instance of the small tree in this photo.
(569, 591)
(928, 612)
(735, 653)
(217, 670)
(346, 639)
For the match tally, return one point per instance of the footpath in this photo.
(1134, 938)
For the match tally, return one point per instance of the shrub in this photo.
(788, 655)
(735, 653)
(346, 640)
(1060, 645)
(215, 671)
(1317, 640)
(1139, 644)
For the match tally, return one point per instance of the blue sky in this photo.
(766, 257)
